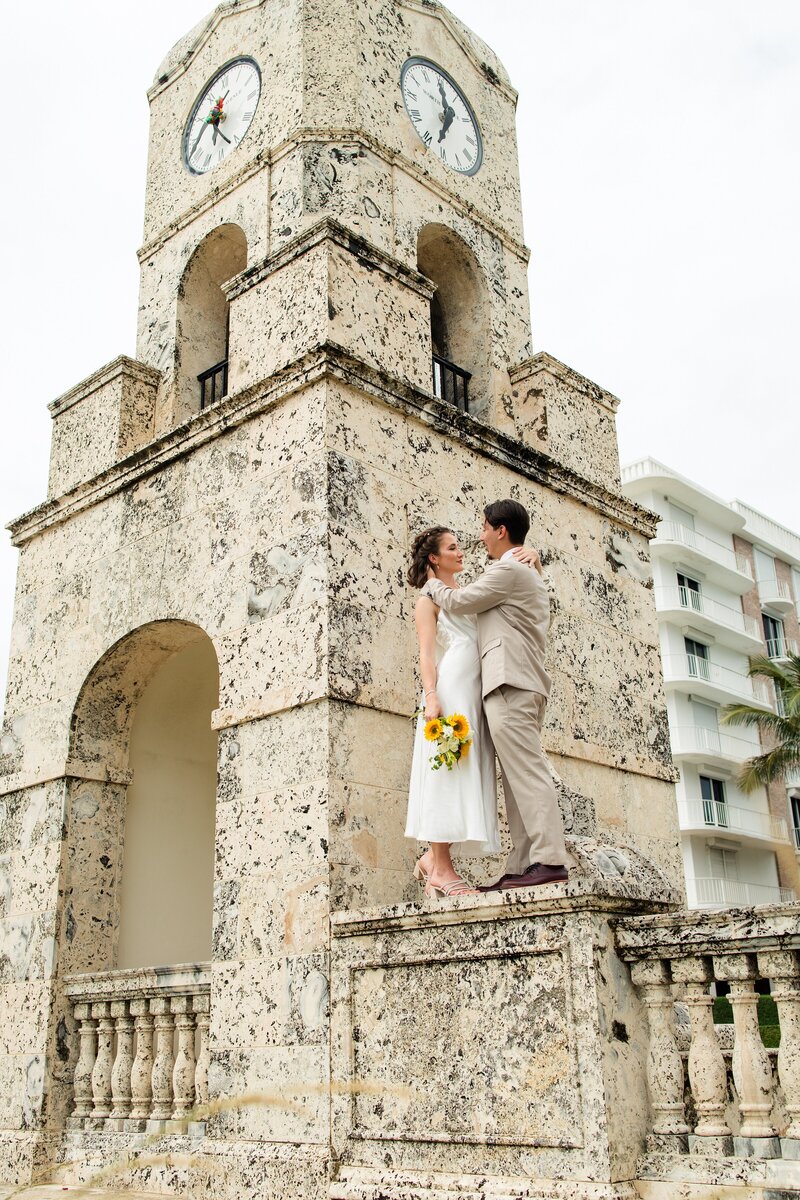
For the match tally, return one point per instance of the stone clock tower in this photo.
(209, 933)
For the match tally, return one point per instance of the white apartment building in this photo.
(727, 584)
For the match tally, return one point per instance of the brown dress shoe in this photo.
(497, 887)
(536, 874)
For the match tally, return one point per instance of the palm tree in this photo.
(784, 726)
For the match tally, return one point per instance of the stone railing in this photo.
(677, 958)
(142, 1047)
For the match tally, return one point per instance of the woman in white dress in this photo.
(459, 805)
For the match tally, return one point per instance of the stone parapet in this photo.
(100, 421)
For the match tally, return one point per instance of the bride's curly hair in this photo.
(425, 544)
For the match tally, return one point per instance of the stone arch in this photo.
(140, 805)
(460, 309)
(201, 340)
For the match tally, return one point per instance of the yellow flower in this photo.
(459, 726)
(465, 747)
(433, 729)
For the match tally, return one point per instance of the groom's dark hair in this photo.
(511, 514)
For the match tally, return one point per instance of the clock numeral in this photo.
(470, 157)
(223, 83)
(220, 154)
(442, 153)
(206, 161)
(411, 95)
(425, 75)
(466, 120)
(246, 116)
(254, 92)
(471, 142)
(458, 161)
(427, 138)
(414, 114)
(236, 139)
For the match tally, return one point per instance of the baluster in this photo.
(201, 1006)
(101, 1074)
(752, 1072)
(183, 1071)
(142, 1069)
(707, 1074)
(664, 1064)
(163, 1062)
(82, 1079)
(781, 966)
(123, 1062)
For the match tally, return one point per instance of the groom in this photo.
(513, 612)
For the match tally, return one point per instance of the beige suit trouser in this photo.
(534, 818)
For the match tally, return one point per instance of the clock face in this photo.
(441, 115)
(221, 115)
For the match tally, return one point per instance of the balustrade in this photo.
(141, 1047)
(739, 1105)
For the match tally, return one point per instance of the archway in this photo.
(141, 815)
(460, 318)
(202, 319)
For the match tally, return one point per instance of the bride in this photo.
(454, 810)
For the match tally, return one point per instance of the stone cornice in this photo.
(61, 772)
(269, 158)
(545, 362)
(120, 366)
(431, 8)
(329, 229)
(330, 360)
(733, 930)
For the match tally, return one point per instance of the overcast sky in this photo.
(660, 161)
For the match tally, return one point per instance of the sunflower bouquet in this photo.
(452, 737)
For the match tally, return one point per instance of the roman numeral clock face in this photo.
(441, 115)
(221, 115)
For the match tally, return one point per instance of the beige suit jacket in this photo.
(513, 611)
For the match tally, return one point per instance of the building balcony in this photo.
(779, 649)
(776, 593)
(729, 626)
(743, 824)
(710, 892)
(451, 383)
(717, 563)
(688, 673)
(694, 743)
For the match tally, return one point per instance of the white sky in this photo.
(660, 162)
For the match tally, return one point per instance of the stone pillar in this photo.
(752, 1072)
(664, 1063)
(123, 1062)
(781, 967)
(101, 1074)
(82, 1079)
(142, 1068)
(708, 1075)
(183, 1071)
(162, 1065)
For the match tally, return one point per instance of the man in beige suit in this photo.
(513, 613)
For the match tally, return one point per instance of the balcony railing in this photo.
(711, 891)
(451, 383)
(775, 592)
(780, 648)
(689, 667)
(714, 814)
(796, 831)
(695, 739)
(213, 384)
(673, 531)
(142, 1052)
(721, 614)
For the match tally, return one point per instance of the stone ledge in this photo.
(546, 362)
(330, 360)
(698, 932)
(118, 366)
(329, 230)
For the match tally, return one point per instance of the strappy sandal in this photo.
(420, 874)
(456, 887)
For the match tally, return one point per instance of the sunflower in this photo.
(459, 726)
(433, 729)
(465, 748)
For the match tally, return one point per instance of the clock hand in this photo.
(197, 139)
(221, 134)
(449, 113)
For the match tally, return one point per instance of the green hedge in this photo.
(767, 1017)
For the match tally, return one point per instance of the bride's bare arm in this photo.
(425, 619)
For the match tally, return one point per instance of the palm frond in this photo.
(767, 768)
(785, 728)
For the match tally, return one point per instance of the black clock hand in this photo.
(449, 113)
(222, 135)
(197, 139)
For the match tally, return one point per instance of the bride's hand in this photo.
(529, 557)
(432, 706)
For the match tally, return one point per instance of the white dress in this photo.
(459, 805)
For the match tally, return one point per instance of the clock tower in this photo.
(207, 743)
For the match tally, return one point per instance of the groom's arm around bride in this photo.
(512, 607)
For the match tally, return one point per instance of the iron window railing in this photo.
(451, 383)
(213, 383)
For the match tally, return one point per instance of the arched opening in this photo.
(202, 319)
(460, 323)
(141, 813)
